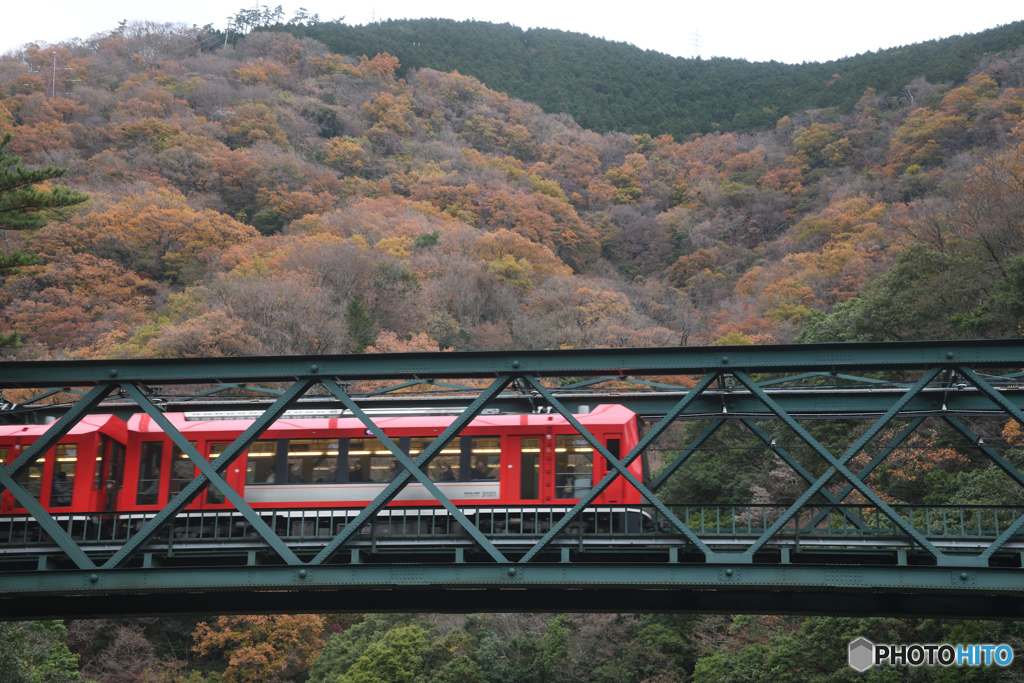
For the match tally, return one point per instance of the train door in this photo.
(572, 469)
(31, 478)
(180, 474)
(545, 473)
(531, 456)
(5, 498)
(108, 477)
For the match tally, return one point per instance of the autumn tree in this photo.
(262, 649)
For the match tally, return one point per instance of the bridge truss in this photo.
(817, 554)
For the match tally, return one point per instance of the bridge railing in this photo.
(836, 524)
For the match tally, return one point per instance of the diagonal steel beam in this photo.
(417, 472)
(870, 467)
(417, 382)
(45, 394)
(840, 464)
(808, 375)
(999, 460)
(1014, 412)
(685, 454)
(48, 523)
(196, 486)
(996, 396)
(799, 469)
(56, 432)
(207, 469)
(1010, 532)
(1005, 466)
(883, 454)
(399, 482)
(620, 468)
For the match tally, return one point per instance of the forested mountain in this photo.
(611, 86)
(275, 197)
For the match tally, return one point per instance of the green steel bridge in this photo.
(823, 553)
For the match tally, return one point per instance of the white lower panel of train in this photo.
(329, 493)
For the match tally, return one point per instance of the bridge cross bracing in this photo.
(818, 554)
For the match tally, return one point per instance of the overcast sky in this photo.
(795, 31)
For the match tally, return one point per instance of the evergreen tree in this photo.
(22, 206)
(360, 325)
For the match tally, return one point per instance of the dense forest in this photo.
(274, 197)
(609, 86)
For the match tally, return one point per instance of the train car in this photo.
(82, 473)
(319, 462)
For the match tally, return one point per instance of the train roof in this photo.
(608, 414)
(108, 424)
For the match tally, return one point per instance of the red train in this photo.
(306, 461)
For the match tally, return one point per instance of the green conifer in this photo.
(22, 206)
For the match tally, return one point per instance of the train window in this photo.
(63, 481)
(3, 461)
(574, 466)
(32, 478)
(486, 457)
(182, 471)
(369, 460)
(529, 482)
(100, 469)
(445, 466)
(261, 461)
(312, 461)
(214, 494)
(150, 459)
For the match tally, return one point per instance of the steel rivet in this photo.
(725, 359)
(515, 364)
(313, 368)
(728, 572)
(949, 354)
(963, 576)
(113, 373)
(93, 578)
(511, 571)
(302, 573)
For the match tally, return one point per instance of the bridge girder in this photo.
(926, 379)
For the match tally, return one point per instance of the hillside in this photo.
(500, 226)
(275, 197)
(610, 86)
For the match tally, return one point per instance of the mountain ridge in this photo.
(607, 85)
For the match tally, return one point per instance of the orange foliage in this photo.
(261, 73)
(156, 233)
(382, 67)
(261, 648)
(389, 342)
(900, 478)
(1014, 433)
(546, 220)
(540, 260)
(689, 265)
(248, 124)
(74, 302)
(292, 205)
(388, 113)
(378, 218)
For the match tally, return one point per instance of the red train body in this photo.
(82, 473)
(519, 460)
